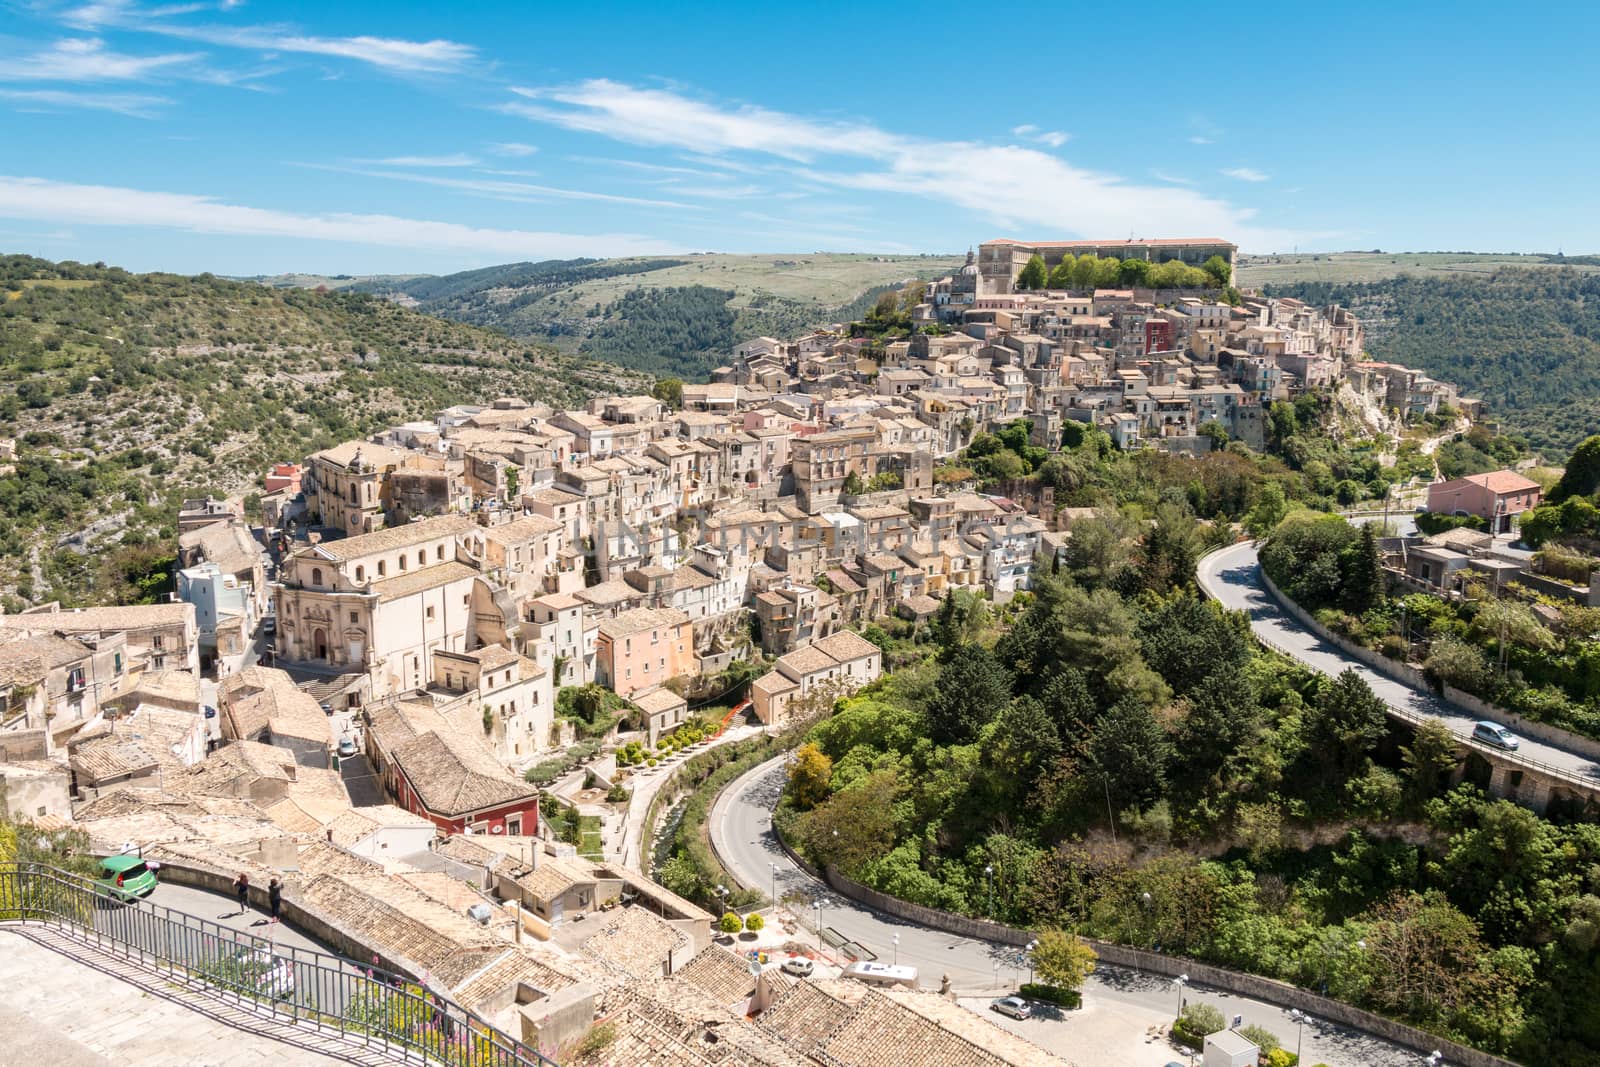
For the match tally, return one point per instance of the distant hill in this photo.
(126, 392)
(1373, 266)
(1525, 339)
(666, 316)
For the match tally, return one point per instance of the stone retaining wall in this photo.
(1200, 974)
(1465, 702)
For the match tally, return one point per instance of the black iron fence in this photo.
(296, 985)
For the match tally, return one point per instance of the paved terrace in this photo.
(69, 1004)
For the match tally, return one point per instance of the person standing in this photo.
(241, 889)
(274, 897)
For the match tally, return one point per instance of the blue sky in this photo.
(359, 137)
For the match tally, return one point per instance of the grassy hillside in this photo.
(125, 392)
(665, 316)
(1345, 267)
(1525, 341)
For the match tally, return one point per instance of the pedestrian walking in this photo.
(274, 897)
(241, 889)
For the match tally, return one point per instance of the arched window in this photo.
(402, 561)
(316, 575)
(382, 568)
(422, 558)
(440, 553)
(355, 494)
(361, 573)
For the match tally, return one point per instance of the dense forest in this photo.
(681, 331)
(1525, 341)
(127, 392)
(1112, 755)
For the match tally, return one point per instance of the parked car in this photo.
(798, 966)
(1492, 733)
(260, 970)
(1015, 1007)
(269, 625)
(348, 746)
(327, 709)
(126, 877)
(211, 712)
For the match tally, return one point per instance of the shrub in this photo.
(1281, 1057)
(1196, 1022)
(1261, 1037)
(1049, 994)
(754, 922)
(730, 923)
(617, 795)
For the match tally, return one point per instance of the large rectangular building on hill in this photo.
(1001, 260)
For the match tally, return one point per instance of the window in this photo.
(75, 680)
(316, 575)
(430, 611)
(382, 569)
(440, 553)
(361, 574)
(116, 662)
(422, 559)
(402, 561)
(354, 618)
(158, 642)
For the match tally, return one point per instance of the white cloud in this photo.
(136, 105)
(1173, 178)
(1053, 138)
(86, 59)
(513, 149)
(521, 192)
(1012, 186)
(43, 200)
(387, 53)
(1201, 140)
(1024, 130)
(458, 159)
(1245, 174)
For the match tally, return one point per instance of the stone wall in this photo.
(1200, 974)
(1464, 702)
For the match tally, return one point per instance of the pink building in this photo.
(1494, 497)
(284, 476)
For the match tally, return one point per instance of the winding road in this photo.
(741, 832)
(1233, 578)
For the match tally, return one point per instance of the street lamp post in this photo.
(1180, 981)
(816, 906)
(896, 939)
(988, 876)
(1028, 950)
(1435, 1058)
(774, 867)
(1300, 1019)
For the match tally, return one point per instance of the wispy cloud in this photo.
(1197, 139)
(1010, 185)
(522, 192)
(86, 59)
(1053, 138)
(1162, 176)
(136, 105)
(458, 159)
(42, 200)
(1245, 174)
(387, 53)
(514, 149)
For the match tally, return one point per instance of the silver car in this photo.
(1015, 1007)
(1492, 733)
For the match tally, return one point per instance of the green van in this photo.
(126, 877)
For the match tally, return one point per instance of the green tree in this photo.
(1061, 273)
(1270, 508)
(754, 922)
(1430, 759)
(856, 825)
(1345, 723)
(730, 923)
(1582, 476)
(669, 391)
(1220, 271)
(810, 776)
(1063, 960)
(1033, 274)
(972, 689)
(1026, 743)
(853, 485)
(1134, 273)
(1129, 753)
(1363, 573)
(1084, 272)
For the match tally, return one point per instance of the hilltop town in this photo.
(447, 665)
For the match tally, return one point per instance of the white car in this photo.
(798, 966)
(1492, 733)
(268, 974)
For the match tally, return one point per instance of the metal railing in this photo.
(299, 986)
(1587, 783)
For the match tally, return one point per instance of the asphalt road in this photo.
(741, 830)
(1233, 578)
